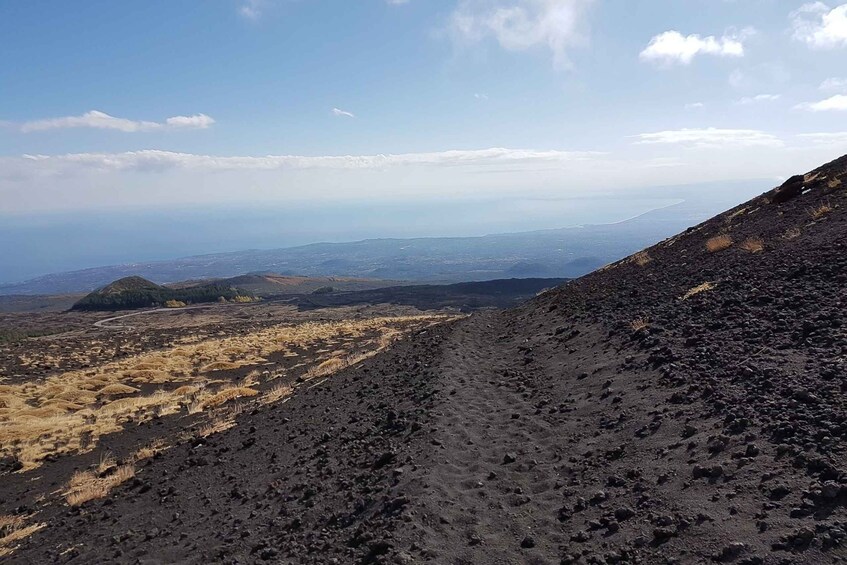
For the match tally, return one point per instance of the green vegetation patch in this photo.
(135, 292)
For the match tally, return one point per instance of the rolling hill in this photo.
(137, 292)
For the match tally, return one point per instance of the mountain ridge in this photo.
(564, 252)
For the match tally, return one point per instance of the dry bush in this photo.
(833, 183)
(86, 485)
(753, 245)
(718, 243)
(215, 427)
(175, 304)
(117, 390)
(697, 290)
(641, 258)
(638, 324)
(13, 529)
(107, 462)
(276, 393)
(791, 233)
(219, 366)
(147, 451)
(9, 524)
(228, 394)
(820, 211)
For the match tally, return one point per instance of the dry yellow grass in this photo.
(820, 211)
(228, 394)
(791, 233)
(220, 366)
(107, 461)
(117, 389)
(718, 243)
(69, 412)
(697, 290)
(175, 304)
(638, 324)
(86, 485)
(641, 258)
(735, 214)
(14, 529)
(276, 393)
(9, 524)
(753, 245)
(147, 451)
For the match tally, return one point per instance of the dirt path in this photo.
(108, 325)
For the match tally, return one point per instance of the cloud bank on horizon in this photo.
(579, 95)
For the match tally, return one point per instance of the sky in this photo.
(113, 106)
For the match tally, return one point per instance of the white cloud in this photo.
(820, 27)
(758, 98)
(825, 138)
(480, 96)
(342, 113)
(710, 137)
(834, 84)
(694, 105)
(837, 102)
(101, 120)
(396, 2)
(156, 160)
(199, 121)
(672, 47)
(518, 25)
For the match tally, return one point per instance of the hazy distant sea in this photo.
(32, 245)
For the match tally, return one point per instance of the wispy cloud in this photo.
(819, 26)
(710, 137)
(101, 120)
(342, 113)
(747, 100)
(519, 25)
(396, 2)
(825, 138)
(671, 47)
(837, 103)
(156, 160)
(834, 84)
(480, 96)
(694, 105)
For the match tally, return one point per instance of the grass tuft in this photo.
(641, 258)
(87, 485)
(718, 243)
(697, 290)
(820, 211)
(14, 529)
(228, 394)
(753, 245)
(638, 324)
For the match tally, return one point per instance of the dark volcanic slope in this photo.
(553, 433)
(467, 296)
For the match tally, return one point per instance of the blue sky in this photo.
(131, 104)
